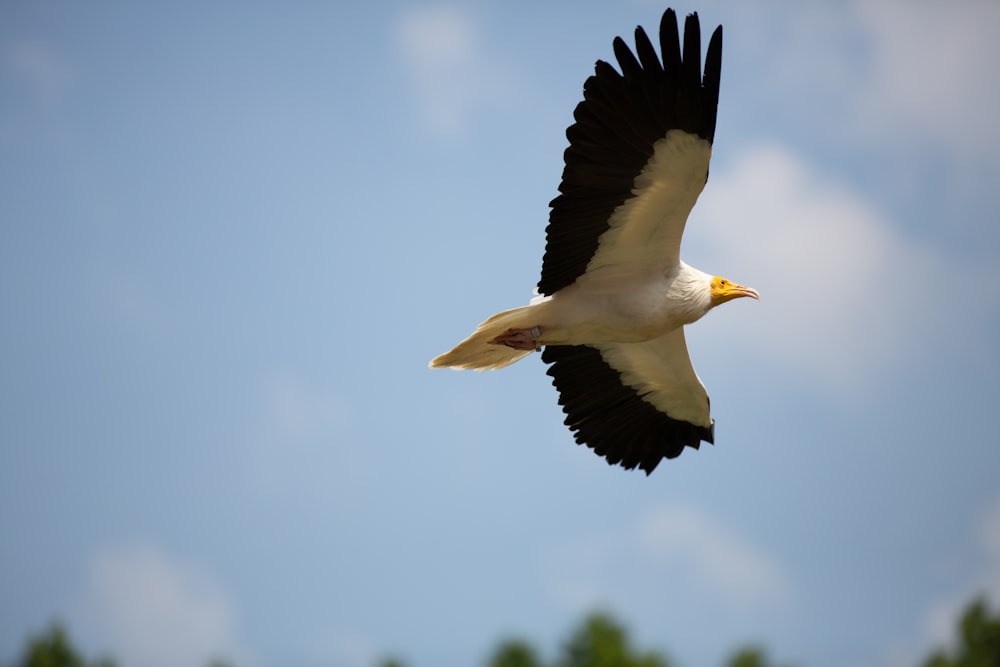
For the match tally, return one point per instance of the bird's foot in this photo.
(520, 339)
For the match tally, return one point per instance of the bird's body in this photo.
(613, 304)
(620, 304)
(615, 294)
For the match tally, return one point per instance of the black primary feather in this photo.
(620, 118)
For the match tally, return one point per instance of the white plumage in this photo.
(615, 294)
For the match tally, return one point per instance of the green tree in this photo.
(515, 653)
(978, 641)
(53, 648)
(751, 656)
(600, 641)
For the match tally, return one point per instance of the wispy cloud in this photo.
(441, 49)
(940, 618)
(916, 79)
(671, 551)
(45, 73)
(147, 608)
(932, 72)
(843, 292)
(297, 424)
(296, 413)
(720, 558)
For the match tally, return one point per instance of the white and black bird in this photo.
(614, 295)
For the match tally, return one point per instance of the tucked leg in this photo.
(520, 339)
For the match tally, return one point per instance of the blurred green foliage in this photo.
(52, 648)
(978, 642)
(598, 641)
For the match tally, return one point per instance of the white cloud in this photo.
(940, 618)
(296, 413)
(441, 49)
(298, 425)
(843, 294)
(43, 70)
(719, 558)
(679, 551)
(909, 83)
(150, 610)
(932, 70)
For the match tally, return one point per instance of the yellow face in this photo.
(723, 290)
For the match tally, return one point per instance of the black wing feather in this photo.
(615, 126)
(611, 418)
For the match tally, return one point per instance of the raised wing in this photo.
(638, 155)
(632, 403)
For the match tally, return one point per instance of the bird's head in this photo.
(723, 290)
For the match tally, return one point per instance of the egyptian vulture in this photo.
(614, 295)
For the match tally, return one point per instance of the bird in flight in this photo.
(614, 296)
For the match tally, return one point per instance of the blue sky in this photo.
(232, 236)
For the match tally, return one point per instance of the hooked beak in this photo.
(729, 290)
(742, 290)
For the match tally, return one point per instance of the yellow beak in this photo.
(728, 290)
(742, 290)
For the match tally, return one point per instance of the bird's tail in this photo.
(477, 353)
